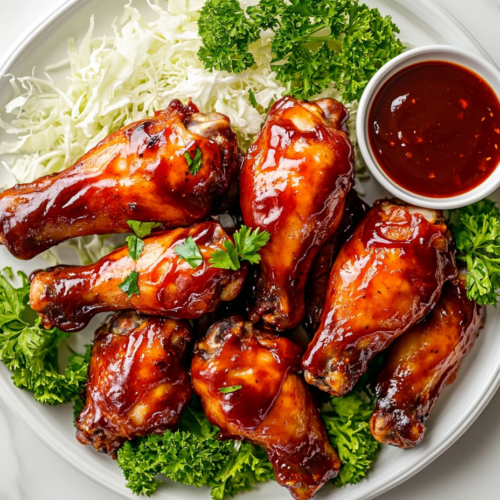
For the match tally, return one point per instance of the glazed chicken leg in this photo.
(69, 296)
(293, 184)
(273, 408)
(138, 173)
(386, 277)
(421, 363)
(138, 382)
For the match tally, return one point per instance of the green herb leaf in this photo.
(248, 243)
(251, 97)
(347, 422)
(194, 164)
(142, 229)
(232, 388)
(130, 285)
(31, 352)
(226, 33)
(135, 246)
(194, 455)
(477, 235)
(189, 252)
(225, 259)
(77, 370)
(248, 465)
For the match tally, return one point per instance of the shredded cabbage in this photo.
(116, 80)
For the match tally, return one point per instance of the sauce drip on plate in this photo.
(434, 129)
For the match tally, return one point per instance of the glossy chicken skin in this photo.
(138, 173)
(421, 363)
(319, 277)
(138, 382)
(387, 277)
(293, 184)
(273, 408)
(69, 296)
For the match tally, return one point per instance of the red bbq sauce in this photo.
(434, 128)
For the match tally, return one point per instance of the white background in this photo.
(469, 469)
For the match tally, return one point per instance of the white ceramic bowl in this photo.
(480, 66)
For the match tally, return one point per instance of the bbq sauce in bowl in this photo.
(434, 128)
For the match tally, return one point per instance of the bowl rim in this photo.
(447, 53)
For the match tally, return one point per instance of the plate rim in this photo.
(18, 406)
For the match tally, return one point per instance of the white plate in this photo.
(421, 23)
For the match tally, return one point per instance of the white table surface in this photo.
(469, 469)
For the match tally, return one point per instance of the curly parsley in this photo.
(30, 352)
(315, 43)
(194, 455)
(347, 423)
(226, 33)
(477, 234)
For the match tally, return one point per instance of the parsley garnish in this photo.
(248, 244)
(31, 353)
(225, 259)
(194, 455)
(135, 246)
(130, 285)
(79, 364)
(347, 423)
(189, 252)
(226, 33)
(477, 235)
(142, 229)
(194, 164)
(316, 42)
(231, 388)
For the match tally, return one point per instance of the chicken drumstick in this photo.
(138, 173)
(421, 363)
(273, 408)
(69, 296)
(386, 277)
(138, 381)
(293, 184)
